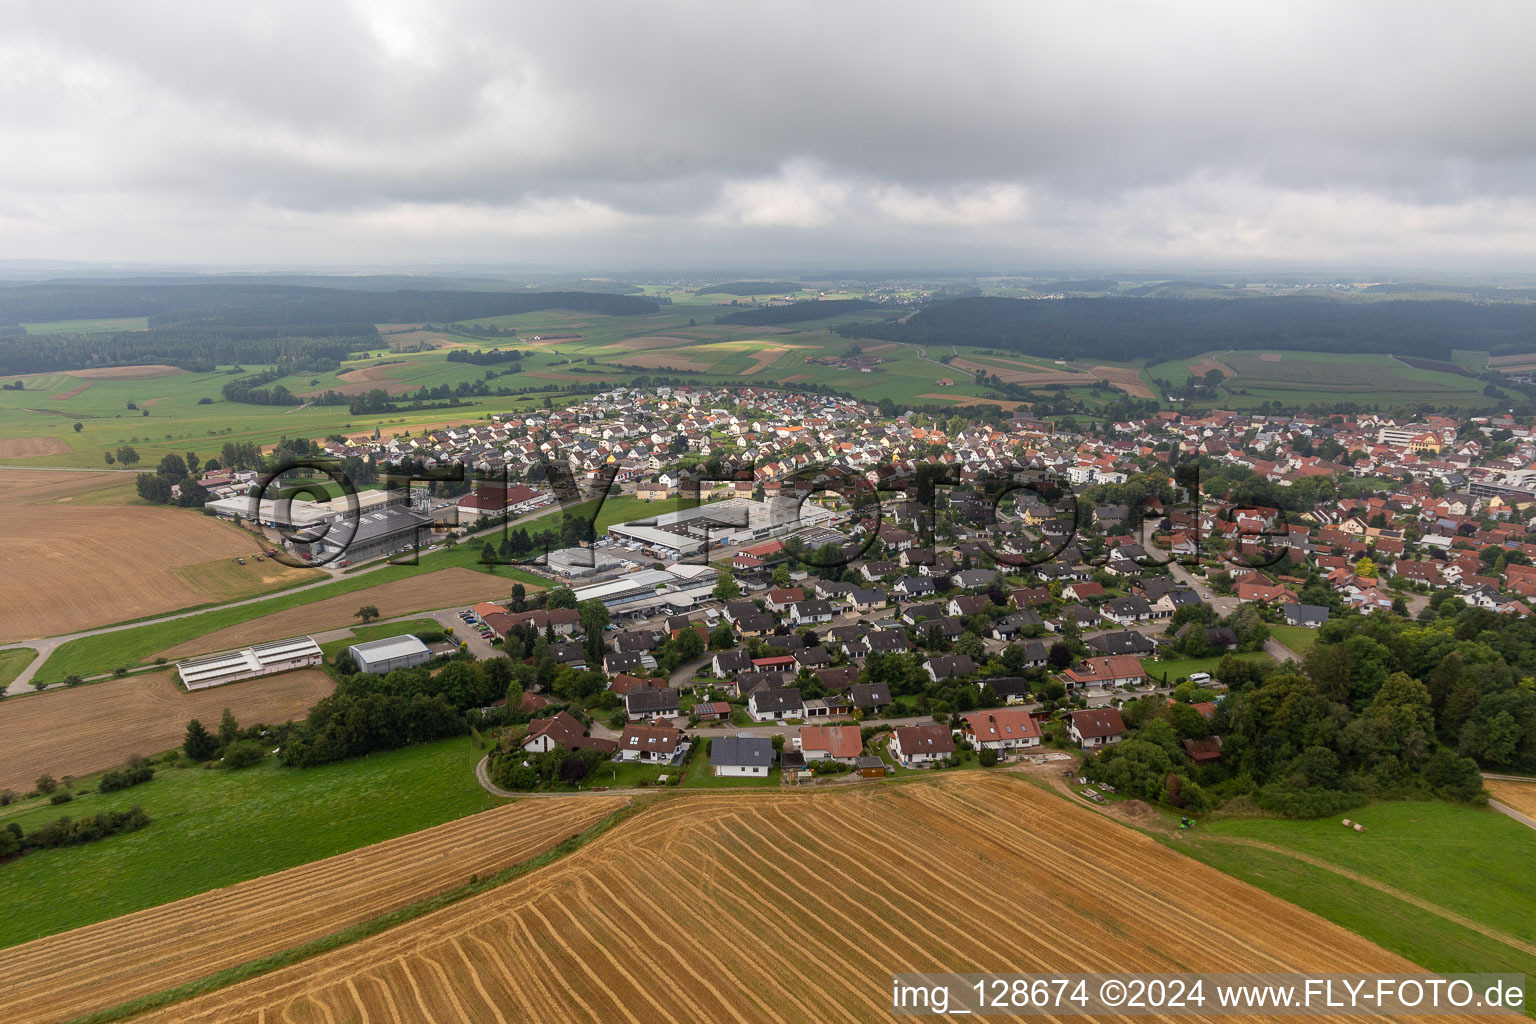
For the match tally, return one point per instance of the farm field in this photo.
(1445, 885)
(120, 323)
(79, 730)
(1519, 795)
(213, 828)
(63, 976)
(441, 589)
(78, 565)
(1316, 377)
(798, 907)
(102, 653)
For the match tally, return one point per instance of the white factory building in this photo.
(714, 525)
(261, 660)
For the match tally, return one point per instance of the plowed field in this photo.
(64, 976)
(797, 907)
(89, 728)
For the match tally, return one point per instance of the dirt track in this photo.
(797, 907)
(93, 727)
(89, 969)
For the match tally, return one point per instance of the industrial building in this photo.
(716, 524)
(383, 531)
(261, 660)
(652, 590)
(299, 513)
(384, 656)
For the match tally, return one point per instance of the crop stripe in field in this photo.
(1155, 907)
(493, 840)
(795, 906)
(727, 899)
(632, 945)
(372, 926)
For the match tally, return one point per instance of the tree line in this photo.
(1160, 329)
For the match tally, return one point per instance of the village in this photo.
(829, 567)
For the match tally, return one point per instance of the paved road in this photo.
(1506, 809)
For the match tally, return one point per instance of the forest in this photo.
(1158, 329)
(199, 326)
(795, 311)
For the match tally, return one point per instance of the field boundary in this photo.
(362, 930)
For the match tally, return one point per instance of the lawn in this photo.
(1298, 638)
(1182, 668)
(213, 828)
(1470, 862)
(12, 662)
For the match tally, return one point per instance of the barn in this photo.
(386, 655)
(261, 660)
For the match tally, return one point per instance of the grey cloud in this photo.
(669, 131)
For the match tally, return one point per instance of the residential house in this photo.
(1002, 729)
(775, 705)
(918, 746)
(840, 743)
(739, 756)
(1096, 727)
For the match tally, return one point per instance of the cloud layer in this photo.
(678, 134)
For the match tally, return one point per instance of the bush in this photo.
(987, 757)
(243, 754)
(46, 784)
(123, 778)
(7, 797)
(61, 798)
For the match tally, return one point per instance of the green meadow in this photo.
(1445, 885)
(211, 828)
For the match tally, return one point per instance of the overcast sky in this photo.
(634, 135)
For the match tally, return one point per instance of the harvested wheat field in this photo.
(964, 400)
(1205, 366)
(71, 393)
(797, 907)
(440, 589)
(652, 341)
(1126, 379)
(1022, 373)
(144, 372)
(89, 728)
(1519, 795)
(74, 566)
(34, 486)
(82, 971)
(664, 360)
(764, 358)
(31, 447)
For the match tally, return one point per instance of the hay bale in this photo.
(1348, 823)
(1359, 827)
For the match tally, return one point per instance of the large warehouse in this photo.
(261, 660)
(383, 531)
(650, 590)
(716, 524)
(384, 656)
